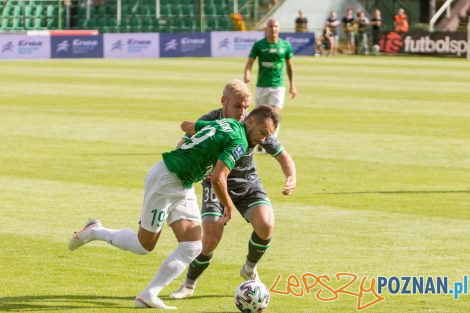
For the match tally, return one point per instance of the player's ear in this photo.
(223, 100)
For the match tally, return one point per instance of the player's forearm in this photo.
(290, 74)
(219, 185)
(287, 164)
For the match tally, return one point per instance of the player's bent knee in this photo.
(191, 249)
(265, 230)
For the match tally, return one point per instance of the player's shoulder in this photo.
(212, 115)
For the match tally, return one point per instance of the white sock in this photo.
(172, 267)
(124, 239)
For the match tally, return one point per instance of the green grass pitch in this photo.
(381, 144)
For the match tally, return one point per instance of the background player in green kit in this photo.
(169, 195)
(249, 197)
(272, 53)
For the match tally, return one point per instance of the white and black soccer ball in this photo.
(376, 49)
(251, 296)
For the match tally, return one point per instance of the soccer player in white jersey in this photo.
(169, 194)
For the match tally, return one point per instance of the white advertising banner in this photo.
(132, 45)
(25, 47)
(233, 44)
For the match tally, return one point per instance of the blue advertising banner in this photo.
(24, 47)
(185, 45)
(77, 46)
(302, 43)
(131, 45)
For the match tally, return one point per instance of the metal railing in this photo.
(444, 7)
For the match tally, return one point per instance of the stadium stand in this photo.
(136, 15)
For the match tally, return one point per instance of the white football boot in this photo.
(155, 302)
(184, 291)
(83, 235)
(247, 275)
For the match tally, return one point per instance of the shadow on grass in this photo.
(72, 302)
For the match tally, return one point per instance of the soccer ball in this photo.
(251, 296)
(376, 49)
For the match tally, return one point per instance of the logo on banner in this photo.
(63, 46)
(118, 45)
(191, 44)
(224, 43)
(79, 46)
(298, 41)
(8, 47)
(171, 45)
(391, 43)
(445, 45)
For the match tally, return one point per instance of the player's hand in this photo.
(289, 186)
(293, 92)
(228, 214)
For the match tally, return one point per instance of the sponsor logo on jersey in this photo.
(267, 64)
(238, 152)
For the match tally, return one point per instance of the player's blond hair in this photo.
(237, 88)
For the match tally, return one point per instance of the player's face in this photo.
(235, 107)
(258, 132)
(272, 29)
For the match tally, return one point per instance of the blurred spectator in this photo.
(401, 21)
(238, 21)
(348, 29)
(325, 43)
(332, 22)
(301, 22)
(376, 23)
(363, 40)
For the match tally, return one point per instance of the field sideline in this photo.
(381, 145)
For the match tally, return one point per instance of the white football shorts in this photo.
(273, 96)
(165, 198)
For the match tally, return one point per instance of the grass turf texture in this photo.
(383, 160)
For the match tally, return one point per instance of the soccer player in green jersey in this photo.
(272, 53)
(248, 195)
(169, 194)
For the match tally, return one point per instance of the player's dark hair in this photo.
(264, 112)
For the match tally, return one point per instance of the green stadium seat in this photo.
(51, 10)
(5, 23)
(187, 10)
(28, 23)
(17, 10)
(209, 10)
(164, 10)
(39, 23)
(28, 10)
(39, 11)
(7, 10)
(51, 23)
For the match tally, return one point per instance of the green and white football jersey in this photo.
(223, 140)
(271, 60)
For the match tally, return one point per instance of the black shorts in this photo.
(244, 199)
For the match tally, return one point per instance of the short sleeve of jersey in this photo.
(272, 146)
(232, 153)
(254, 51)
(200, 125)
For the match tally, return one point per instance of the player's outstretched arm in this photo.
(288, 167)
(219, 184)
